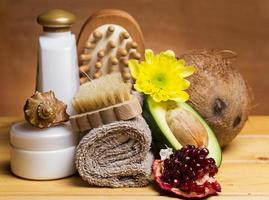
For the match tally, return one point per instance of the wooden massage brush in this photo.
(105, 43)
(103, 101)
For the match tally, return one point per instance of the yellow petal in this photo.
(170, 53)
(136, 87)
(183, 84)
(181, 96)
(181, 62)
(156, 98)
(149, 56)
(134, 67)
(187, 71)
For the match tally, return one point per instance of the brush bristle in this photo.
(103, 92)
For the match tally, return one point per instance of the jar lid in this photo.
(24, 136)
(56, 20)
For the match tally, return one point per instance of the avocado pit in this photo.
(187, 129)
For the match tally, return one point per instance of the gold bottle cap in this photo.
(56, 20)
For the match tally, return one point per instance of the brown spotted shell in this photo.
(43, 110)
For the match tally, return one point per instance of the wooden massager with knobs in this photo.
(107, 40)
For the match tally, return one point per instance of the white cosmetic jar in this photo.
(42, 154)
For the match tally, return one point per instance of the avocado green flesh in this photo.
(155, 114)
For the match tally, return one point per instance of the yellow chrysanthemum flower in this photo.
(161, 76)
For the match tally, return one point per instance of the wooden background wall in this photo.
(181, 25)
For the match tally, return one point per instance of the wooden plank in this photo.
(243, 174)
(247, 149)
(253, 178)
(4, 147)
(5, 123)
(235, 178)
(256, 125)
(244, 179)
(116, 197)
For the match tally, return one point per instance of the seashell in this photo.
(43, 110)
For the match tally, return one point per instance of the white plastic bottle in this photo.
(45, 154)
(58, 68)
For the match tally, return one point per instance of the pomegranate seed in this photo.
(204, 151)
(188, 165)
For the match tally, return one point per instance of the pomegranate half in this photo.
(188, 172)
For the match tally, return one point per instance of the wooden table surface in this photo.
(244, 173)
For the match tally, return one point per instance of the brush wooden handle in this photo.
(123, 111)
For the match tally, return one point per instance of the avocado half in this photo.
(155, 115)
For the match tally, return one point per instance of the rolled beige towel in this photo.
(116, 154)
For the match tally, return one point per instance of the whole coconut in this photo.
(218, 92)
